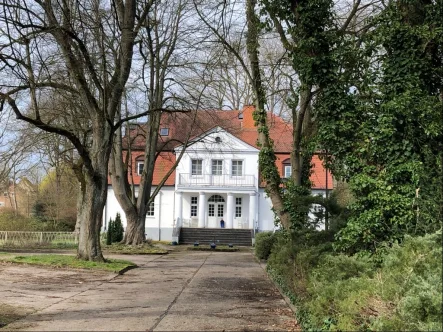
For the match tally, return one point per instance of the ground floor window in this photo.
(238, 207)
(194, 206)
(151, 210)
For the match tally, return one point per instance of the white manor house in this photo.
(217, 182)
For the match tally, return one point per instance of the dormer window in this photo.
(240, 115)
(287, 168)
(140, 167)
(164, 131)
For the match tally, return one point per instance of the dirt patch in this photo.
(9, 313)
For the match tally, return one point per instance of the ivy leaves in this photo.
(385, 136)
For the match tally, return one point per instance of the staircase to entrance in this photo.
(221, 236)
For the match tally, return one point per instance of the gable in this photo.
(218, 140)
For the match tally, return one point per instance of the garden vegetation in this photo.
(377, 265)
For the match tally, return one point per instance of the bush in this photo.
(349, 293)
(115, 230)
(264, 242)
(11, 221)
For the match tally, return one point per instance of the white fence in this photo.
(29, 238)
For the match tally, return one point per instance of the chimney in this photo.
(248, 121)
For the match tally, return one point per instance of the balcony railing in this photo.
(224, 180)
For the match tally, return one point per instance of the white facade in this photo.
(216, 182)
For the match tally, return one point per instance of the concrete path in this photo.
(182, 291)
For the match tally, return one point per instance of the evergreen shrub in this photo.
(264, 242)
(117, 229)
(353, 293)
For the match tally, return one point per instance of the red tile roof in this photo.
(193, 123)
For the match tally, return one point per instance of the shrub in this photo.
(264, 242)
(412, 274)
(11, 221)
(117, 232)
(349, 293)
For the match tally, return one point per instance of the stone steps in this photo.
(221, 236)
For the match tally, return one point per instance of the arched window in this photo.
(287, 169)
(216, 199)
(139, 164)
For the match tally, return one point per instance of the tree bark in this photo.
(135, 230)
(267, 165)
(93, 199)
(299, 131)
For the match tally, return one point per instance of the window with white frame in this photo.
(288, 171)
(197, 167)
(194, 206)
(151, 210)
(211, 210)
(237, 168)
(238, 201)
(220, 210)
(164, 131)
(217, 167)
(140, 165)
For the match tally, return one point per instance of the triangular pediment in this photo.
(218, 139)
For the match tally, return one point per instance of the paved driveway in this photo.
(182, 291)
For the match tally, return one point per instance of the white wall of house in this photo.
(265, 213)
(163, 218)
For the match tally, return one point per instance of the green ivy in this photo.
(381, 121)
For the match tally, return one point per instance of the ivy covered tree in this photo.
(381, 119)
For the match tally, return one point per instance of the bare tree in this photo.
(85, 49)
(162, 48)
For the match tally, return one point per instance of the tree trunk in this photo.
(135, 230)
(300, 127)
(267, 158)
(93, 199)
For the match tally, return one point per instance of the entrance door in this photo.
(216, 211)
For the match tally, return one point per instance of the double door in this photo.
(216, 213)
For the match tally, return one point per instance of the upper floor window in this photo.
(288, 171)
(217, 167)
(237, 168)
(197, 167)
(164, 131)
(287, 168)
(140, 167)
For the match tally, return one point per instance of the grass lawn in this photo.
(142, 249)
(66, 261)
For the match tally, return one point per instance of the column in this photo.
(179, 209)
(230, 211)
(252, 209)
(201, 209)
